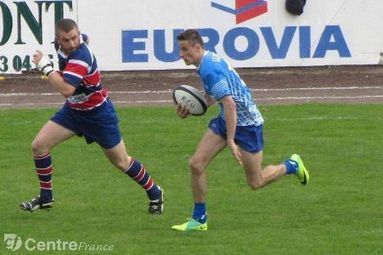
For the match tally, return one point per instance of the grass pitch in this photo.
(339, 212)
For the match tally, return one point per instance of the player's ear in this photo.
(57, 42)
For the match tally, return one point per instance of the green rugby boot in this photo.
(302, 173)
(191, 225)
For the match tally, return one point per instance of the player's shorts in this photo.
(249, 138)
(98, 125)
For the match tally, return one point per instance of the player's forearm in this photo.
(231, 117)
(231, 125)
(60, 85)
(44, 64)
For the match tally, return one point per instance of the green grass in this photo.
(340, 212)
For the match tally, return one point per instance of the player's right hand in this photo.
(182, 111)
(43, 63)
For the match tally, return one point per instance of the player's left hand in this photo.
(235, 151)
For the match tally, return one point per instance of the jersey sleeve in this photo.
(218, 85)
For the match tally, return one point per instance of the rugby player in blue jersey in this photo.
(239, 126)
(87, 112)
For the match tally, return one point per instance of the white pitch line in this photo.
(171, 101)
(320, 88)
(315, 118)
(255, 90)
(142, 102)
(170, 91)
(31, 104)
(264, 99)
(142, 92)
(27, 94)
(320, 97)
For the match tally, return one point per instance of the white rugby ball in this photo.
(191, 98)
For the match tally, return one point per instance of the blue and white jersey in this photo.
(219, 80)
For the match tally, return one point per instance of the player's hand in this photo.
(42, 62)
(37, 57)
(235, 151)
(182, 111)
(210, 100)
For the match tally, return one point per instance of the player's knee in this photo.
(39, 147)
(255, 185)
(121, 163)
(196, 166)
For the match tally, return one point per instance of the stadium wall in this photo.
(141, 34)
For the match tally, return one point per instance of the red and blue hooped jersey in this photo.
(80, 69)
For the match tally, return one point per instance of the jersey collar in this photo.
(200, 63)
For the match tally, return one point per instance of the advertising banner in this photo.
(141, 35)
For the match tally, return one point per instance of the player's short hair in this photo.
(65, 25)
(192, 36)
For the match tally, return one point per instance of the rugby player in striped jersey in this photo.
(87, 112)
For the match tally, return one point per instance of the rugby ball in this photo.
(191, 98)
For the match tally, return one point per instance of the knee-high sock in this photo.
(137, 172)
(44, 171)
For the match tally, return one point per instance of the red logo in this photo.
(242, 9)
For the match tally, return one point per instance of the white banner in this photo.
(26, 26)
(141, 34)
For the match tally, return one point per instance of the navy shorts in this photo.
(249, 138)
(98, 125)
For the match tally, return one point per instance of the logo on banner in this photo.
(242, 9)
(240, 43)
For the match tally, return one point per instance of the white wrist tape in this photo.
(45, 65)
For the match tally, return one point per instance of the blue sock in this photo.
(199, 213)
(291, 166)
